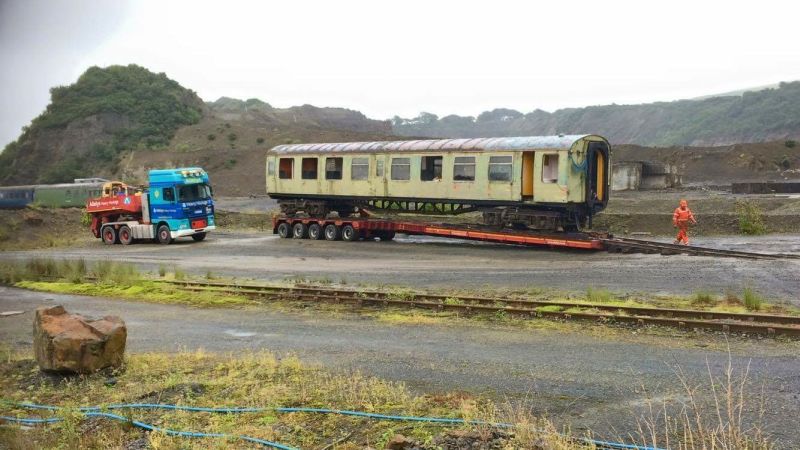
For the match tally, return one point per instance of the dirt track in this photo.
(442, 263)
(586, 380)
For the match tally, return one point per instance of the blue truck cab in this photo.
(180, 203)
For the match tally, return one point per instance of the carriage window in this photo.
(359, 169)
(401, 168)
(549, 168)
(271, 167)
(286, 168)
(333, 168)
(464, 168)
(308, 169)
(379, 167)
(500, 168)
(431, 168)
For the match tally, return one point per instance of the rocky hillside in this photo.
(765, 115)
(90, 124)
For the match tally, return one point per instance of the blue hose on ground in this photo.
(149, 427)
(95, 411)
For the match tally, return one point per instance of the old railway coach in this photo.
(544, 182)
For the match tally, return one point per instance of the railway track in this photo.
(627, 245)
(751, 323)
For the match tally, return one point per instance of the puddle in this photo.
(240, 333)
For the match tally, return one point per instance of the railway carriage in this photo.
(541, 182)
(15, 197)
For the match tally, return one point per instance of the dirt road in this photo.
(442, 263)
(588, 381)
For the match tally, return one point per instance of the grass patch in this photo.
(549, 308)
(597, 295)
(704, 298)
(143, 290)
(261, 379)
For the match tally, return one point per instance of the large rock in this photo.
(65, 342)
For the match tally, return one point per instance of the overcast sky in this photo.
(402, 57)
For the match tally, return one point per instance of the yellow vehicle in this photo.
(542, 182)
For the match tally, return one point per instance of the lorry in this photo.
(176, 203)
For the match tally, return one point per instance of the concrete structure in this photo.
(644, 175)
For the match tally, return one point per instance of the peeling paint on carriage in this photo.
(471, 144)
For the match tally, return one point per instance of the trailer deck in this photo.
(370, 228)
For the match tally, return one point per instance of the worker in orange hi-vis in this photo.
(680, 219)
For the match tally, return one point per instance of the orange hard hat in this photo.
(684, 203)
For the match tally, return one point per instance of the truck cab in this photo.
(177, 203)
(180, 199)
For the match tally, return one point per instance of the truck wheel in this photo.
(109, 235)
(300, 230)
(284, 230)
(125, 235)
(163, 235)
(198, 237)
(315, 231)
(349, 233)
(332, 232)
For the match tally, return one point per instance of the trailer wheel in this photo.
(284, 230)
(332, 232)
(315, 231)
(386, 235)
(300, 230)
(349, 233)
(125, 235)
(109, 235)
(198, 237)
(163, 235)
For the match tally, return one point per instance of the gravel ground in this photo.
(586, 381)
(448, 263)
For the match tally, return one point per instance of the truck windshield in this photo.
(192, 192)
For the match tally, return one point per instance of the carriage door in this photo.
(527, 175)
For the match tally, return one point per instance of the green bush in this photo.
(259, 140)
(751, 218)
(790, 143)
(232, 137)
(211, 136)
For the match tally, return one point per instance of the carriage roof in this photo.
(429, 145)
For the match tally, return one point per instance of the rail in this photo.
(756, 323)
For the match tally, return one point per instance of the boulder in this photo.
(72, 343)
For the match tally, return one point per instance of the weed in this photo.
(549, 308)
(598, 295)
(259, 140)
(162, 270)
(232, 137)
(211, 136)
(752, 299)
(401, 294)
(790, 143)
(704, 298)
(453, 301)
(179, 274)
(210, 275)
(751, 218)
